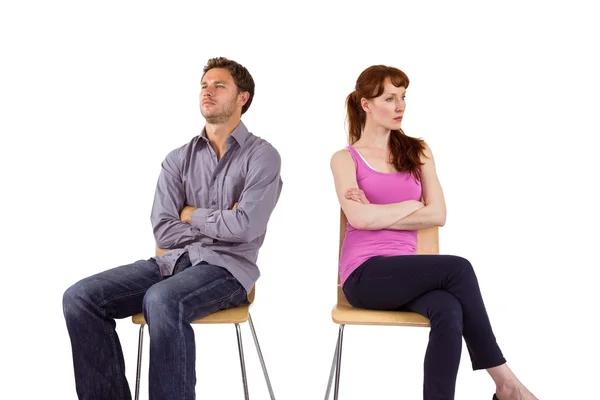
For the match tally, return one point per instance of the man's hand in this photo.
(186, 214)
(357, 195)
(160, 252)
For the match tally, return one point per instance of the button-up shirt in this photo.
(248, 173)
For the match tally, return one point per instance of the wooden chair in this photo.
(344, 314)
(236, 315)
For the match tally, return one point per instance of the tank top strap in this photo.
(354, 153)
(358, 160)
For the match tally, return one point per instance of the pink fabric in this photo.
(380, 188)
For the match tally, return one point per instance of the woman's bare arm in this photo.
(360, 215)
(434, 212)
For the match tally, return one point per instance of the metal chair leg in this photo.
(260, 356)
(336, 389)
(139, 362)
(241, 350)
(335, 353)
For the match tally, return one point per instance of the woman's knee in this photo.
(462, 266)
(446, 312)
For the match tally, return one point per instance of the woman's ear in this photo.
(364, 103)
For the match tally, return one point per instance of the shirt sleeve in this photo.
(169, 199)
(257, 201)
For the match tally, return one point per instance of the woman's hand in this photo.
(357, 195)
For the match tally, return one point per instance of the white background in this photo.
(95, 94)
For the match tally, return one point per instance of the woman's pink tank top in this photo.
(380, 188)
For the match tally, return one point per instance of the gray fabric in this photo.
(248, 173)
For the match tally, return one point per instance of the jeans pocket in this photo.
(236, 298)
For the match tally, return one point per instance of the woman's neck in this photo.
(374, 136)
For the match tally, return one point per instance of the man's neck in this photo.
(217, 135)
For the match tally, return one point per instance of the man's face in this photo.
(219, 97)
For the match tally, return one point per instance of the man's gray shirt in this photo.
(248, 173)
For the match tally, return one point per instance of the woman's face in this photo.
(386, 110)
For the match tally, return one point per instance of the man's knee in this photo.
(159, 303)
(74, 299)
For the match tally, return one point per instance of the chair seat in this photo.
(236, 315)
(348, 315)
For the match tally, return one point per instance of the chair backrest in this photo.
(159, 252)
(427, 243)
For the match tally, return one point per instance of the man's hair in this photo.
(242, 78)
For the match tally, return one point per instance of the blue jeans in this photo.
(169, 304)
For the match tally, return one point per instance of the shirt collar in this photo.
(239, 134)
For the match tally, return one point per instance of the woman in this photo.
(388, 188)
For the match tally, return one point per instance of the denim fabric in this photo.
(169, 303)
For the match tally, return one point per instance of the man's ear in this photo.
(243, 98)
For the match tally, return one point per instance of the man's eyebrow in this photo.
(216, 82)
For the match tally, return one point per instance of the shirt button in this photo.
(213, 203)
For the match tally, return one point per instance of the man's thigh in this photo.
(118, 291)
(200, 290)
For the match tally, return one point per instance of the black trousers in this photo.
(442, 288)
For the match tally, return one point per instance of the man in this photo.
(213, 200)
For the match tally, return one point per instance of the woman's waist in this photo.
(356, 246)
(386, 235)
